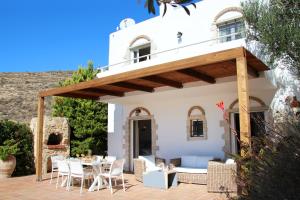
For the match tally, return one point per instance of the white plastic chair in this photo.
(77, 171)
(116, 171)
(63, 170)
(99, 158)
(110, 159)
(54, 165)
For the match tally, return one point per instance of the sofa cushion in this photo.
(149, 162)
(190, 170)
(202, 161)
(195, 161)
(188, 161)
(150, 169)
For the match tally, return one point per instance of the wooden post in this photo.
(243, 97)
(40, 125)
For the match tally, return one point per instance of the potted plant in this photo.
(7, 158)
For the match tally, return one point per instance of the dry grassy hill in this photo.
(18, 93)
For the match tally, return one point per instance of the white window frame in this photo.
(134, 51)
(233, 34)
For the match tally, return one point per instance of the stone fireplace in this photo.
(56, 139)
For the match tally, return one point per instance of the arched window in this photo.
(140, 49)
(196, 124)
(229, 24)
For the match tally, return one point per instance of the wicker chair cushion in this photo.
(190, 170)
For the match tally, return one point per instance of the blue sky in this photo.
(47, 35)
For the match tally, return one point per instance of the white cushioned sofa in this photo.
(191, 169)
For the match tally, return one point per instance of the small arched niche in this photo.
(139, 111)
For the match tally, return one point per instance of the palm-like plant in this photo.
(150, 4)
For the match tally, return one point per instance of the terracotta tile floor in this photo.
(26, 188)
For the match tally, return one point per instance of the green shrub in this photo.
(272, 169)
(22, 135)
(9, 147)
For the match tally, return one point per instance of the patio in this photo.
(27, 187)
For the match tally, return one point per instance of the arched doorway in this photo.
(258, 115)
(140, 135)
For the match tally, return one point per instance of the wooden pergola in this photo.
(237, 61)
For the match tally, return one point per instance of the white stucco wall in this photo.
(115, 130)
(170, 110)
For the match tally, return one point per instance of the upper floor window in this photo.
(232, 30)
(141, 53)
(140, 49)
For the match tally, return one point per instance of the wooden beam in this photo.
(79, 96)
(253, 60)
(133, 86)
(39, 152)
(198, 75)
(97, 91)
(243, 98)
(164, 81)
(206, 59)
(252, 72)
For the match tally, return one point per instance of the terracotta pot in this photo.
(7, 167)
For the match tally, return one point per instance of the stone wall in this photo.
(18, 93)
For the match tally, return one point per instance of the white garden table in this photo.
(98, 180)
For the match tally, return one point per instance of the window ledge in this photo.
(189, 138)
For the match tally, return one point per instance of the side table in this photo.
(160, 179)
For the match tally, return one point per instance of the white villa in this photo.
(171, 122)
(164, 79)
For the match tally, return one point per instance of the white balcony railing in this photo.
(183, 51)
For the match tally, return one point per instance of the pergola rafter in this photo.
(198, 75)
(164, 81)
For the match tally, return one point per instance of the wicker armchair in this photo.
(195, 178)
(221, 177)
(140, 167)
